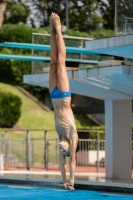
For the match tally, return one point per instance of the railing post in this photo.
(98, 152)
(81, 46)
(28, 149)
(2, 145)
(116, 15)
(32, 51)
(6, 149)
(45, 150)
(32, 151)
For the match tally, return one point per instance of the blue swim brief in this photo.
(55, 94)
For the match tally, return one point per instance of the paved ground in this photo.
(82, 173)
(49, 173)
(56, 169)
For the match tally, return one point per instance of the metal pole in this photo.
(6, 148)
(47, 153)
(115, 22)
(32, 151)
(32, 53)
(2, 146)
(98, 152)
(45, 150)
(67, 16)
(28, 149)
(125, 26)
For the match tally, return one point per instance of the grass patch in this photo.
(34, 117)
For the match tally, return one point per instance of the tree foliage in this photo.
(109, 15)
(9, 109)
(17, 11)
(124, 9)
(12, 71)
(98, 33)
(84, 15)
(15, 33)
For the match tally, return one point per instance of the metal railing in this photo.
(37, 148)
(71, 41)
(123, 17)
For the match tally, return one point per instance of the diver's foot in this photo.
(52, 27)
(56, 21)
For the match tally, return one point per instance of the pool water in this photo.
(34, 193)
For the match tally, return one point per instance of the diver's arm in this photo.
(72, 162)
(62, 167)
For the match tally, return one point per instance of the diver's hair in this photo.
(78, 147)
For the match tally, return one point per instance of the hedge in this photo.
(10, 105)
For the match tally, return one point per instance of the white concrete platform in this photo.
(115, 46)
(114, 82)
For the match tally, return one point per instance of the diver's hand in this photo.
(65, 185)
(68, 186)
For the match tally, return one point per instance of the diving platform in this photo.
(39, 47)
(120, 46)
(43, 59)
(106, 83)
(45, 47)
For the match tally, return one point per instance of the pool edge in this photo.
(95, 186)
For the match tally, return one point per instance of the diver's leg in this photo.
(63, 83)
(54, 56)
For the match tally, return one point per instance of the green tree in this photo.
(86, 15)
(12, 71)
(109, 14)
(125, 9)
(15, 33)
(41, 10)
(83, 15)
(9, 109)
(16, 12)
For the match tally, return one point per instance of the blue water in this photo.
(32, 193)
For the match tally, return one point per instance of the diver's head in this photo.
(64, 146)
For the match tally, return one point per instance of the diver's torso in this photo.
(64, 119)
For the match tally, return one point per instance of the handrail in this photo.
(64, 36)
(51, 130)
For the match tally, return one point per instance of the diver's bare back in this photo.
(64, 119)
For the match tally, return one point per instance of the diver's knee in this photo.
(61, 60)
(53, 63)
